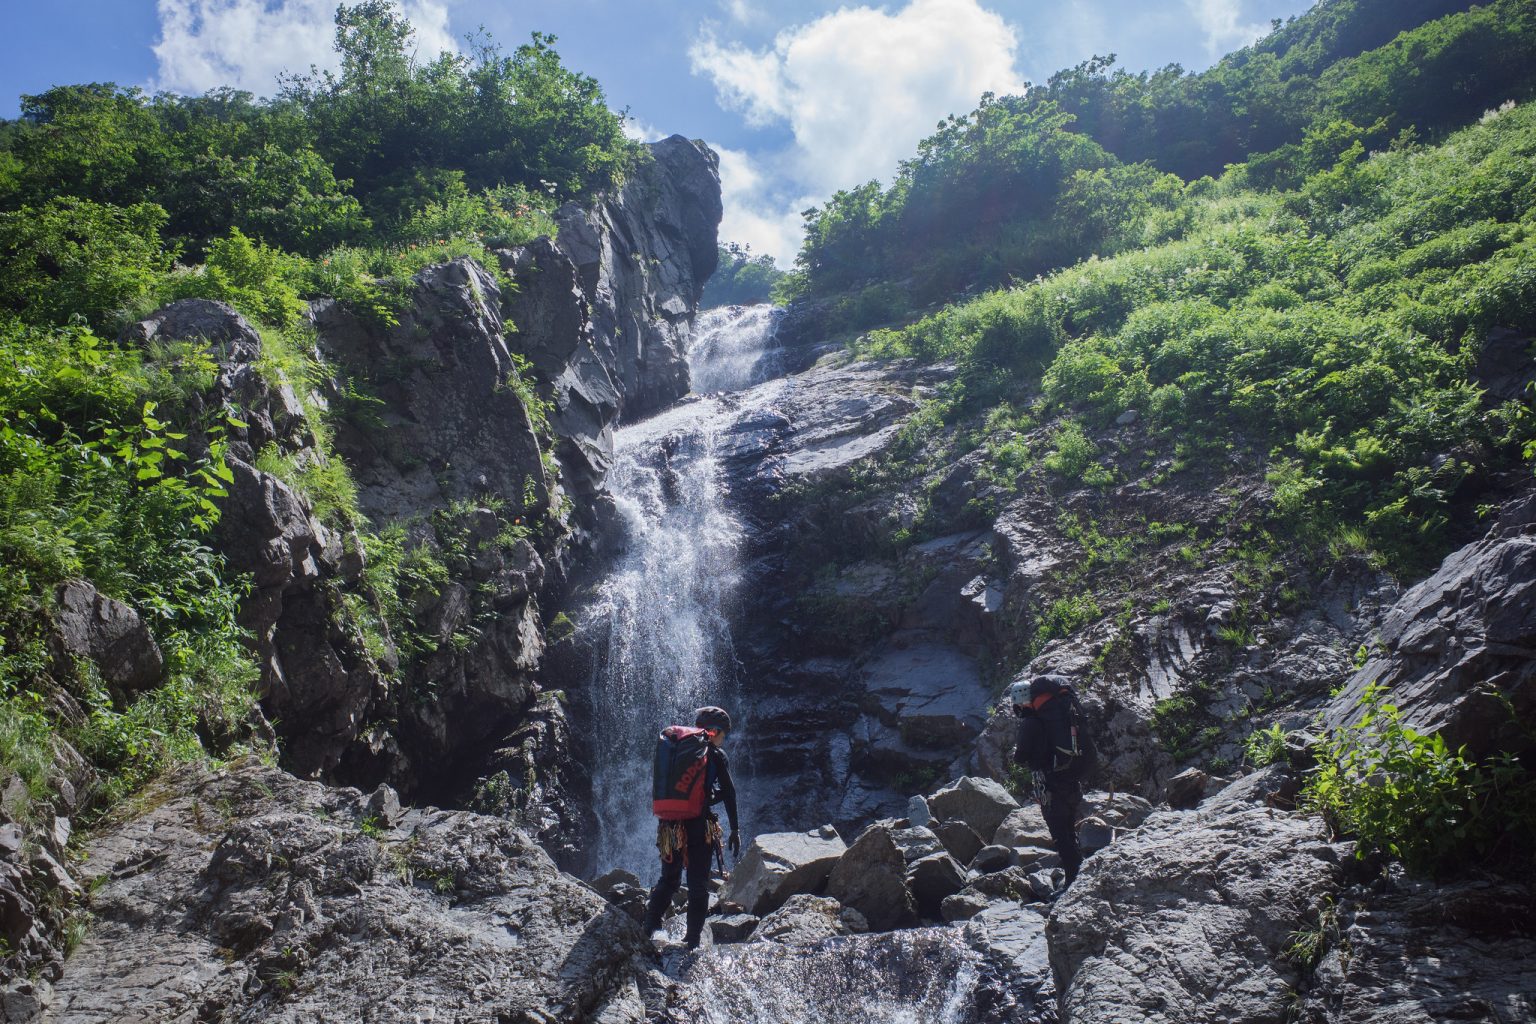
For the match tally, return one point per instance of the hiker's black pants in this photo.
(699, 852)
(1063, 800)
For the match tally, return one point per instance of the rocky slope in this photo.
(895, 579)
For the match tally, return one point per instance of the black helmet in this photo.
(712, 718)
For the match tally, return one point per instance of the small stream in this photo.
(920, 976)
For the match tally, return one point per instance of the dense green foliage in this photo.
(1093, 161)
(1330, 330)
(344, 185)
(107, 472)
(355, 157)
(1407, 794)
(112, 462)
(740, 278)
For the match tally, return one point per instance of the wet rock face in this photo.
(1416, 953)
(1188, 917)
(249, 894)
(991, 973)
(805, 920)
(1455, 647)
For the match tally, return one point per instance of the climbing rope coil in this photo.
(672, 838)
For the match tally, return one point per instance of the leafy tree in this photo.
(73, 258)
(740, 278)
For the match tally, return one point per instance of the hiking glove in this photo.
(735, 844)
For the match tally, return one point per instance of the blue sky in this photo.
(800, 98)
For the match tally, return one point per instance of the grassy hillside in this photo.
(1329, 333)
(1095, 161)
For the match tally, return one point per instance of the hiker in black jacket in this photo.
(692, 842)
(1054, 746)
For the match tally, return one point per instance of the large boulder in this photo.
(779, 865)
(110, 635)
(247, 894)
(871, 878)
(980, 803)
(1189, 917)
(806, 919)
(932, 880)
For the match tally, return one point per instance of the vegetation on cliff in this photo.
(1094, 161)
(1329, 339)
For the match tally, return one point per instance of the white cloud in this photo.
(742, 11)
(756, 214)
(1222, 23)
(858, 89)
(642, 131)
(246, 44)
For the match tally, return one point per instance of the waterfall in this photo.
(658, 623)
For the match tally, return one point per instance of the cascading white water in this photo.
(923, 976)
(658, 621)
(733, 348)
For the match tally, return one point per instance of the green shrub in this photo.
(1405, 793)
(1075, 456)
(107, 474)
(1265, 746)
(256, 279)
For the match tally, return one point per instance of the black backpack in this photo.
(1073, 753)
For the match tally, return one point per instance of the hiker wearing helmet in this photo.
(1054, 745)
(692, 773)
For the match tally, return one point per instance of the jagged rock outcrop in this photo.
(1458, 650)
(93, 627)
(643, 254)
(448, 426)
(247, 894)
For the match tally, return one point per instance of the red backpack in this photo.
(680, 778)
